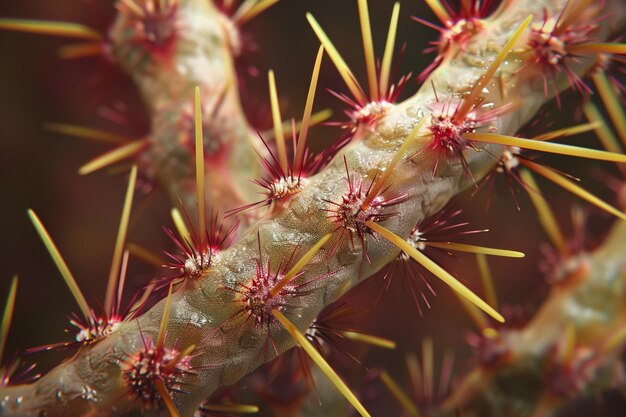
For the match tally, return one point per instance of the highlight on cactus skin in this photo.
(345, 269)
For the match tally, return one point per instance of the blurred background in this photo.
(38, 169)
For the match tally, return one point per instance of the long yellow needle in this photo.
(342, 67)
(46, 27)
(308, 109)
(167, 398)
(460, 247)
(399, 395)
(7, 316)
(180, 225)
(605, 134)
(200, 192)
(439, 10)
(385, 67)
(573, 188)
(369, 339)
(487, 280)
(252, 12)
(166, 316)
(84, 132)
(598, 48)
(114, 272)
(438, 271)
(470, 100)
(381, 181)
(299, 265)
(60, 263)
(546, 216)
(321, 363)
(567, 131)
(279, 136)
(82, 50)
(538, 145)
(368, 48)
(611, 103)
(231, 408)
(118, 154)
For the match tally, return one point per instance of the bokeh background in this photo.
(38, 169)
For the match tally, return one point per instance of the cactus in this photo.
(252, 277)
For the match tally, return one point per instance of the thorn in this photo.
(440, 11)
(438, 271)
(369, 339)
(597, 48)
(470, 100)
(200, 192)
(573, 188)
(122, 281)
(611, 103)
(180, 225)
(279, 136)
(83, 132)
(145, 255)
(414, 370)
(243, 8)
(81, 50)
(460, 247)
(385, 68)
(340, 64)
(7, 316)
(316, 118)
(46, 27)
(546, 216)
(400, 396)
(550, 147)
(241, 17)
(606, 136)
(299, 265)
(567, 344)
(379, 183)
(306, 117)
(428, 365)
(568, 131)
(167, 398)
(321, 363)
(487, 280)
(614, 343)
(114, 272)
(60, 263)
(166, 316)
(118, 154)
(182, 355)
(368, 48)
(231, 408)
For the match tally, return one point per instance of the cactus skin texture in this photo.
(223, 330)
